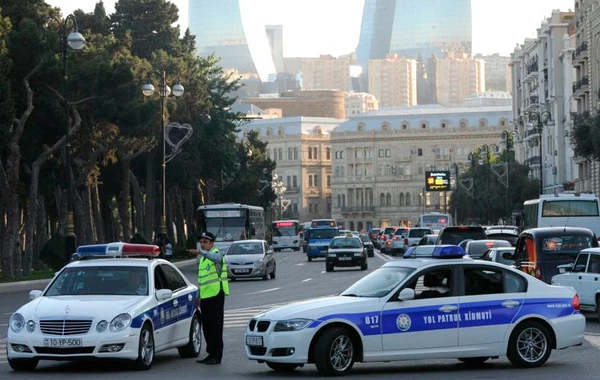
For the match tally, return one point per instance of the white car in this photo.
(108, 308)
(422, 309)
(584, 277)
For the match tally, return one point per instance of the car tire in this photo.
(334, 352)
(282, 367)
(276, 249)
(23, 365)
(364, 265)
(474, 361)
(309, 259)
(273, 273)
(265, 277)
(371, 254)
(194, 346)
(523, 337)
(598, 306)
(145, 349)
(328, 267)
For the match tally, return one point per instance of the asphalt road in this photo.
(298, 279)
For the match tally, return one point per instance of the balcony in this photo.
(532, 161)
(580, 53)
(581, 84)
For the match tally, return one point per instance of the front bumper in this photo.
(345, 261)
(280, 347)
(246, 271)
(92, 345)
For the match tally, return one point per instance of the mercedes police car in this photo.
(113, 307)
(459, 308)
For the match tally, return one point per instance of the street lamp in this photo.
(75, 41)
(454, 167)
(164, 92)
(279, 189)
(509, 137)
(542, 119)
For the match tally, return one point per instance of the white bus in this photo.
(285, 234)
(231, 222)
(434, 220)
(563, 209)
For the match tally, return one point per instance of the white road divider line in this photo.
(263, 291)
(307, 279)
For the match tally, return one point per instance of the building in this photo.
(318, 103)
(360, 102)
(497, 72)
(458, 77)
(380, 159)
(541, 73)
(393, 81)
(301, 148)
(325, 72)
(241, 43)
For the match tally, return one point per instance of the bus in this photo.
(285, 234)
(434, 220)
(561, 210)
(231, 222)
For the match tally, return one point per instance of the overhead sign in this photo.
(437, 181)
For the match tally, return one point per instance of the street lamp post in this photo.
(508, 137)
(455, 168)
(542, 119)
(75, 41)
(164, 92)
(279, 189)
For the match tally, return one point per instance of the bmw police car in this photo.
(113, 307)
(459, 308)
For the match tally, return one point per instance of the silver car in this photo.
(250, 259)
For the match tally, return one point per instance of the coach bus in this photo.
(434, 220)
(562, 209)
(231, 222)
(285, 234)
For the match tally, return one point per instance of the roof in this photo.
(139, 262)
(418, 263)
(540, 231)
(248, 241)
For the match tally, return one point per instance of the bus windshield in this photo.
(226, 229)
(285, 229)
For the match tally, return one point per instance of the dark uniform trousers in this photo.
(212, 310)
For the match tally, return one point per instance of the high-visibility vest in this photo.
(209, 281)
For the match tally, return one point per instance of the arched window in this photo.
(444, 124)
(281, 131)
(401, 200)
(269, 131)
(388, 199)
(464, 123)
(424, 124)
(407, 199)
(483, 122)
(405, 125)
(502, 122)
(360, 127)
(318, 130)
(385, 126)
(382, 200)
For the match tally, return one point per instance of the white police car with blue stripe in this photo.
(459, 308)
(116, 306)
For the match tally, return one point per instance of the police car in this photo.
(112, 307)
(459, 308)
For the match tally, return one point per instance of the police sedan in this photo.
(459, 308)
(113, 306)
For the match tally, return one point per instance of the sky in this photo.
(498, 26)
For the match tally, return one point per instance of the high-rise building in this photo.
(393, 81)
(240, 42)
(458, 77)
(325, 72)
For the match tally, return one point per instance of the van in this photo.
(539, 251)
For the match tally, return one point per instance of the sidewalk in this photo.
(21, 286)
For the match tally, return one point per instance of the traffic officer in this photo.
(213, 287)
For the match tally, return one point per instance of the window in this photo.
(380, 153)
(280, 154)
(289, 182)
(328, 180)
(294, 181)
(483, 123)
(388, 153)
(463, 123)
(310, 180)
(405, 125)
(314, 153)
(290, 154)
(174, 281)
(382, 200)
(423, 125)
(488, 280)
(295, 153)
(328, 153)
(407, 199)
(388, 200)
(419, 152)
(280, 131)
(310, 153)
(361, 126)
(385, 126)
(316, 177)
(434, 283)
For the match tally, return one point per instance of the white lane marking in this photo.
(263, 291)
(307, 279)
(300, 263)
(3, 324)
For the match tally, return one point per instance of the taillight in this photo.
(395, 237)
(576, 302)
(389, 242)
(538, 273)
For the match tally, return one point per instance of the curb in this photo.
(20, 286)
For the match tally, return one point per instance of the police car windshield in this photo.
(379, 283)
(346, 243)
(100, 280)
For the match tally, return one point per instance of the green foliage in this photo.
(138, 238)
(586, 136)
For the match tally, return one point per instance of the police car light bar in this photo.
(449, 252)
(117, 249)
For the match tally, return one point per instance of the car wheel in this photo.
(23, 364)
(273, 273)
(282, 367)
(371, 254)
(529, 345)
(145, 349)
(328, 267)
(266, 276)
(598, 306)
(474, 361)
(194, 345)
(276, 250)
(334, 352)
(364, 265)
(309, 258)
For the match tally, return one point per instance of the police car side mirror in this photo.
(34, 294)
(163, 294)
(406, 294)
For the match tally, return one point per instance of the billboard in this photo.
(437, 181)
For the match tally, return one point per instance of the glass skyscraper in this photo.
(221, 28)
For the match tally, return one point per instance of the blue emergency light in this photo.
(117, 249)
(448, 251)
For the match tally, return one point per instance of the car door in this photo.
(576, 277)
(183, 302)
(430, 320)
(269, 259)
(164, 323)
(589, 281)
(490, 299)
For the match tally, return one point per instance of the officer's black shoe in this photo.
(209, 357)
(213, 360)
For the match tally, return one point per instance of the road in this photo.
(298, 279)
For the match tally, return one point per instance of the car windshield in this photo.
(100, 280)
(245, 249)
(379, 283)
(365, 238)
(346, 243)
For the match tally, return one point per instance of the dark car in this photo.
(346, 251)
(368, 245)
(428, 239)
(540, 251)
(456, 234)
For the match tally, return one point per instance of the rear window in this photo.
(566, 244)
(454, 235)
(418, 233)
(401, 231)
(511, 238)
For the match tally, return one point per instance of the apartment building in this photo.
(360, 102)
(324, 72)
(393, 81)
(458, 77)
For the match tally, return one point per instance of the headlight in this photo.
(331, 255)
(358, 254)
(292, 324)
(101, 326)
(120, 323)
(259, 263)
(16, 322)
(31, 326)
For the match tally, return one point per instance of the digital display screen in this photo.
(284, 224)
(223, 213)
(437, 181)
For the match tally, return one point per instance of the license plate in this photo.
(324, 251)
(345, 258)
(242, 271)
(62, 342)
(252, 340)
